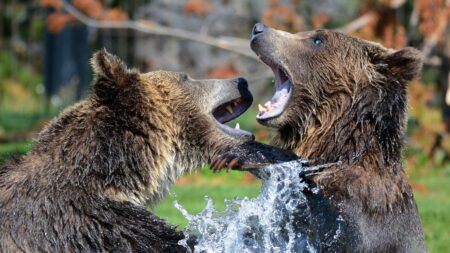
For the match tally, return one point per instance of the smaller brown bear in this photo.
(84, 184)
(343, 99)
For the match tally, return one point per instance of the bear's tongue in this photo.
(276, 105)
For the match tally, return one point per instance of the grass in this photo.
(192, 198)
(13, 149)
(433, 201)
(13, 122)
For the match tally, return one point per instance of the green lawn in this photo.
(434, 207)
(192, 198)
(11, 149)
(432, 196)
(18, 122)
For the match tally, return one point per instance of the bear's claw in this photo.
(251, 155)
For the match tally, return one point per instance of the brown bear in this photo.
(84, 185)
(340, 99)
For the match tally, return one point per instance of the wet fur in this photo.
(349, 106)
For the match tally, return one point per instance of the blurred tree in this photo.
(66, 43)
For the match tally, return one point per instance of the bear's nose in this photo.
(258, 28)
(242, 83)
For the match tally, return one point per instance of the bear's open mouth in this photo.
(279, 101)
(231, 110)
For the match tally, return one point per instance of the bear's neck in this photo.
(367, 141)
(354, 132)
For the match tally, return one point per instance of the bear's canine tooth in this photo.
(237, 126)
(229, 108)
(262, 109)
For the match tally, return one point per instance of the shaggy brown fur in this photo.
(84, 184)
(348, 105)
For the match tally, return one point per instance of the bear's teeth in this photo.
(229, 109)
(261, 108)
(268, 105)
(237, 126)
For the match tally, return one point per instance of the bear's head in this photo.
(322, 76)
(182, 103)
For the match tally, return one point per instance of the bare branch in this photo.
(414, 18)
(144, 26)
(433, 39)
(357, 23)
(368, 17)
(395, 4)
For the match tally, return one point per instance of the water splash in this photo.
(276, 221)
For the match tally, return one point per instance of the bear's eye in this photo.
(318, 41)
(184, 77)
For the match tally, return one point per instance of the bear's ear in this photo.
(111, 68)
(405, 64)
(111, 75)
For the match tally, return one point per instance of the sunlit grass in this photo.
(433, 202)
(192, 198)
(13, 149)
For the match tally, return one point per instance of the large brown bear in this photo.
(343, 99)
(84, 184)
